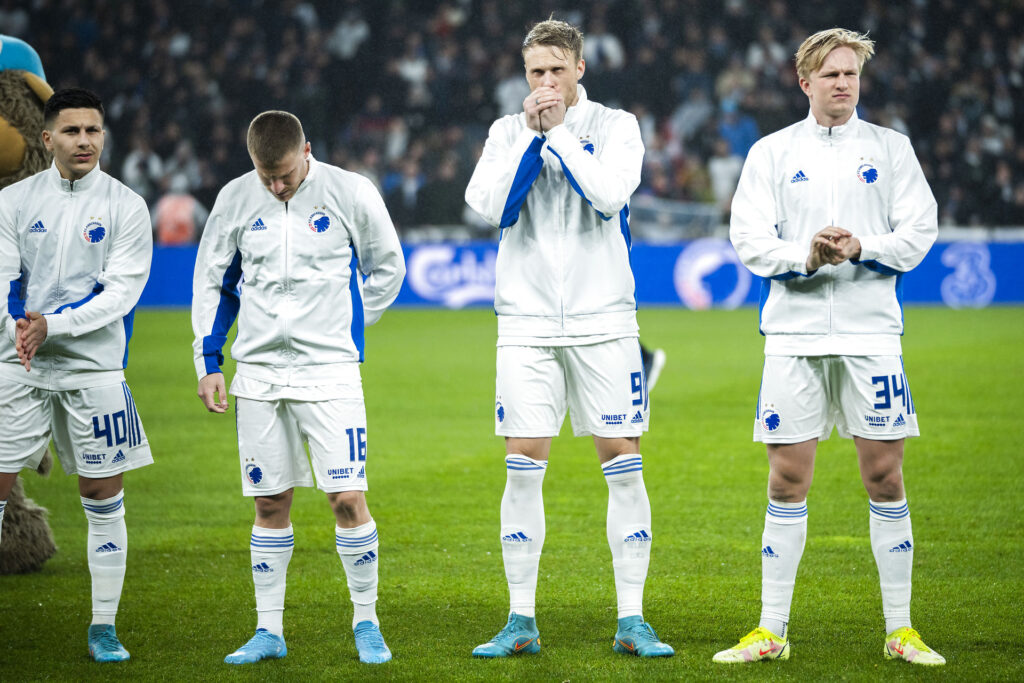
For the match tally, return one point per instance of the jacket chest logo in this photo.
(867, 173)
(318, 220)
(94, 231)
(588, 146)
(257, 225)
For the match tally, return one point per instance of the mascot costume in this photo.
(27, 540)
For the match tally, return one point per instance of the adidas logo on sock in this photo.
(900, 422)
(262, 568)
(768, 552)
(118, 458)
(904, 547)
(638, 418)
(799, 177)
(37, 227)
(258, 225)
(638, 537)
(368, 558)
(108, 547)
(517, 537)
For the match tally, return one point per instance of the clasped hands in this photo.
(545, 109)
(833, 245)
(29, 335)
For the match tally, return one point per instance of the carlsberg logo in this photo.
(453, 276)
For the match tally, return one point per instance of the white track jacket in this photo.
(78, 252)
(561, 201)
(293, 273)
(857, 176)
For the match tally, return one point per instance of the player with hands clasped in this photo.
(286, 249)
(831, 313)
(557, 180)
(75, 246)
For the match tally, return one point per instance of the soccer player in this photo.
(556, 180)
(75, 246)
(302, 236)
(832, 211)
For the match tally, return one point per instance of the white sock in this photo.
(3, 505)
(358, 550)
(893, 545)
(107, 548)
(270, 551)
(629, 530)
(522, 530)
(785, 531)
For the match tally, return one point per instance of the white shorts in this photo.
(803, 397)
(96, 431)
(603, 386)
(272, 439)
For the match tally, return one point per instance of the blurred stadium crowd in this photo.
(404, 91)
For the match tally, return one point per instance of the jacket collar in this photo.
(832, 133)
(579, 110)
(84, 183)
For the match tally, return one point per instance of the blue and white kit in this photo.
(796, 182)
(563, 274)
(303, 277)
(79, 252)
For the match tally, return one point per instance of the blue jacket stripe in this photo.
(129, 326)
(227, 311)
(575, 186)
(15, 304)
(877, 267)
(97, 289)
(529, 168)
(358, 327)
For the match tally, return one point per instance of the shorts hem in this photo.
(253, 493)
(875, 436)
(608, 434)
(783, 440)
(520, 435)
(113, 473)
(364, 487)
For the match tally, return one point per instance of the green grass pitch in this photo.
(436, 478)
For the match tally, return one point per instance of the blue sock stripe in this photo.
(890, 513)
(791, 513)
(525, 469)
(105, 509)
(257, 545)
(343, 542)
(524, 464)
(628, 465)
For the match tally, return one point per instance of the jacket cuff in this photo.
(57, 325)
(870, 248)
(560, 137)
(12, 328)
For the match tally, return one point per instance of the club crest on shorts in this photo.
(253, 473)
(867, 173)
(499, 411)
(94, 232)
(318, 220)
(770, 420)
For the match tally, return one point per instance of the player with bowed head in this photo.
(556, 180)
(75, 246)
(320, 259)
(832, 211)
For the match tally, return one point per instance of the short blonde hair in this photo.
(816, 49)
(273, 135)
(556, 33)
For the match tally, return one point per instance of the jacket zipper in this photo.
(287, 284)
(832, 218)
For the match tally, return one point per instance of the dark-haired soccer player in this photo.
(75, 246)
(302, 235)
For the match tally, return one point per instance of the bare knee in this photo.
(100, 489)
(788, 486)
(349, 508)
(884, 485)
(273, 512)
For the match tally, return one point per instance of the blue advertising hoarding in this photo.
(700, 274)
